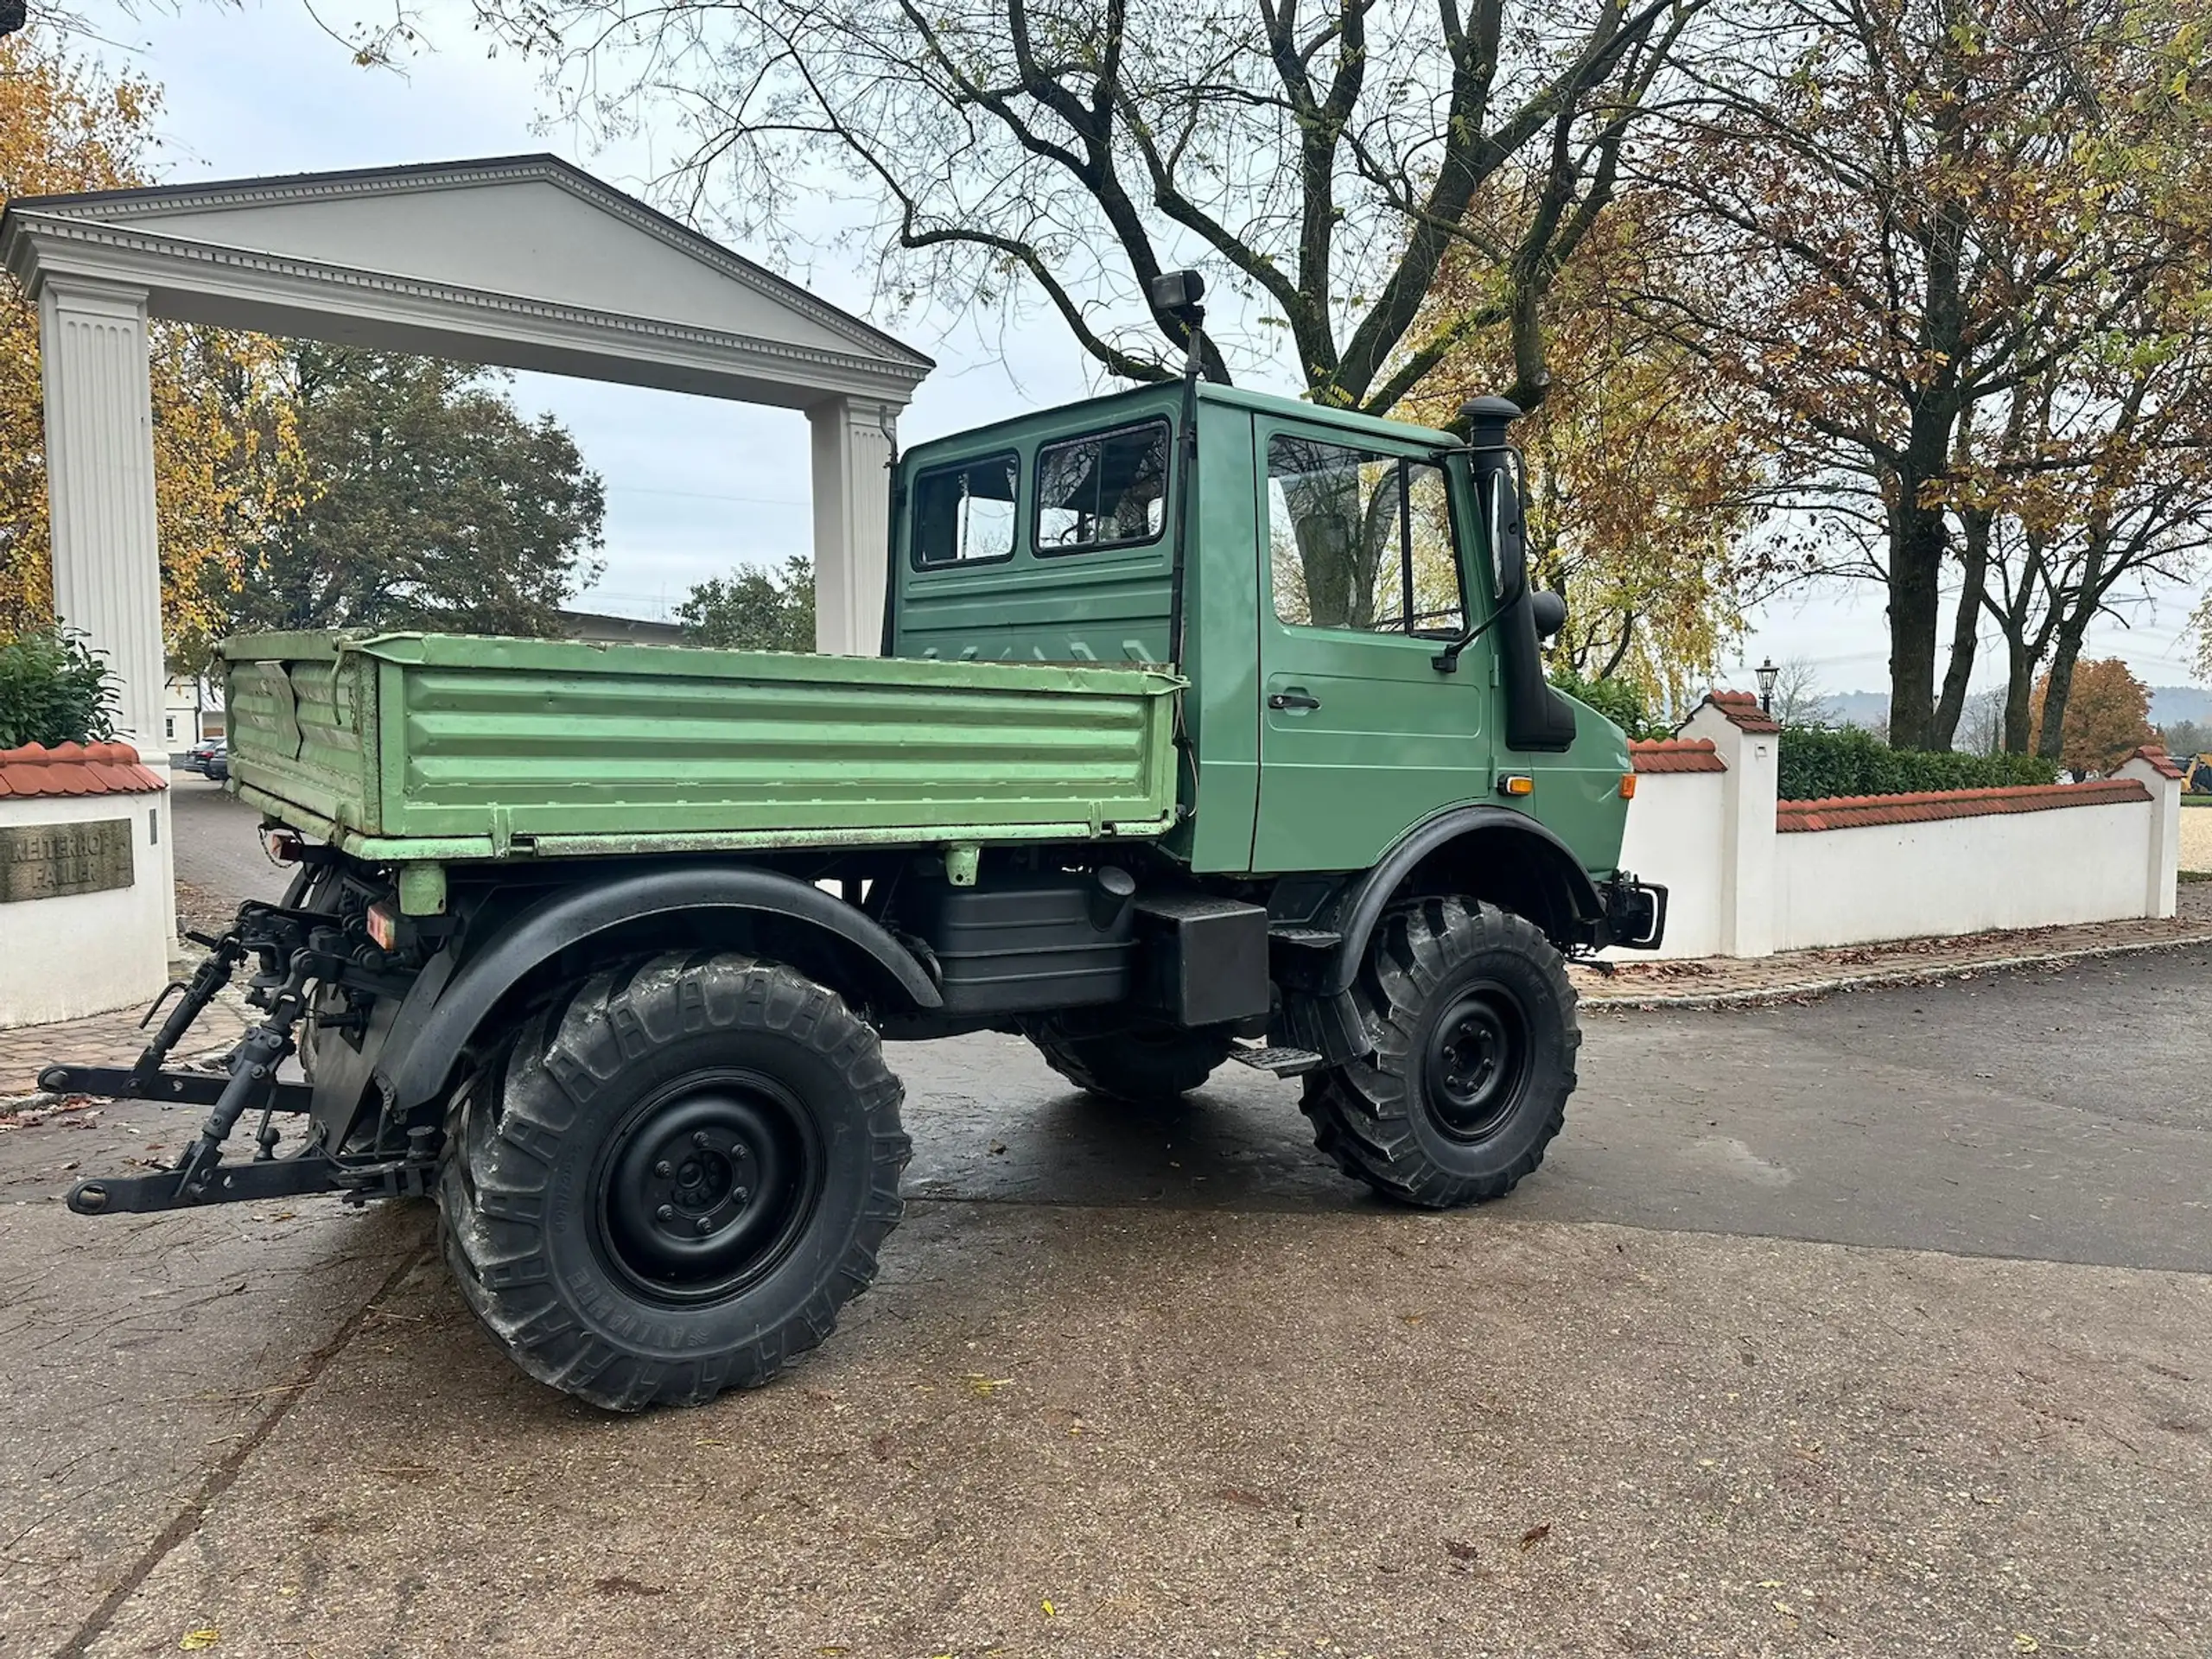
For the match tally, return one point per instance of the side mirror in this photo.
(1547, 610)
(1508, 548)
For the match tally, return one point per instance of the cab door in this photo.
(1361, 735)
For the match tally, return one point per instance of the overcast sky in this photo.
(694, 485)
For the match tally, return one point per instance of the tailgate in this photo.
(301, 715)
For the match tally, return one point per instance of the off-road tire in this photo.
(569, 1268)
(1412, 1120)
(1138, 1066)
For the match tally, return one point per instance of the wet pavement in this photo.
(1876, 1325)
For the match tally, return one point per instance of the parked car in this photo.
(218, 766)
(202, 757)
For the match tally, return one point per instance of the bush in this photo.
(1816, 763)
(1617, 700)
(53, 691)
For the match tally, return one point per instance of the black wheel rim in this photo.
(706, 1186)
(1475, 1063)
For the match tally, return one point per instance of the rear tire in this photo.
(669, 1182)
(1475, 1038)
(1140, 1064)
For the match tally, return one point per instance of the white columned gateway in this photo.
(521, 262)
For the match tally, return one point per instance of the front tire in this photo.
(671, 1180)
(1475, 1039)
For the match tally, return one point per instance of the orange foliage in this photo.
(2107, 714)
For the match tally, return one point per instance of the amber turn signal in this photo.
(1628, 786)
(1516, 783)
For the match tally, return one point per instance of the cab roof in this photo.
(1167, 394)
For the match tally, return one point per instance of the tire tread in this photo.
(505, 1126)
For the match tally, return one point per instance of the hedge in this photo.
(1817, 764)
(1617, 700)
(53, 690)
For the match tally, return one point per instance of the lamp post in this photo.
(1767, 674)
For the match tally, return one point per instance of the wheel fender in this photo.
(445, 1008)
(1572, 896)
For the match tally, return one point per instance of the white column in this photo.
(2163, 856)
(852, 522)
(99, 480)
(1749, 897)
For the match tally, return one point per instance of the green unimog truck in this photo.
(1210, 728)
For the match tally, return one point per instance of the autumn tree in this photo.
(1646, 467)
(2115, 495)
(1895, 212)
(1321, 159)
(2108, 716)
(221, 428)
(426, 500)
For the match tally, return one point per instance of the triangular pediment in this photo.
(531, 227)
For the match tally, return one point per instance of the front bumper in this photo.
(1636, 912)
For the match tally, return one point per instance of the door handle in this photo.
(1292, 700)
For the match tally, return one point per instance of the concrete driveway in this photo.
(1878, 1326)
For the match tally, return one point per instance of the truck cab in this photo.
(1333, 564)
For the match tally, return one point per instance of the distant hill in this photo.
(1868, 709)
(2172, 702)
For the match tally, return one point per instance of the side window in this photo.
(965, 514)
(1359, 540)
(1109, 490)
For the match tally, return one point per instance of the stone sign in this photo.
(46, 860)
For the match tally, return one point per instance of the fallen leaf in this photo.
(2022, 1643)
(997, 1147)
(206, 1636)
(985, 1386)
(622, 1584)
(1459, 1550)
(1050, 1612)
(1535, 1535)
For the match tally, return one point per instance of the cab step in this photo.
(1283, 1062)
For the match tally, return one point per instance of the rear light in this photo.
(1516, 783)
(1628, 786)
(284, 847)
(384, 925)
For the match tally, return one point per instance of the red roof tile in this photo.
(74, 769)
(1857, 811)
(1676, 754)
(1742, 710)
(2161, 762)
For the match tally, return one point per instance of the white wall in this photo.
(1738, 888)
(88, 952)
(1674, 838)
(1961, 875)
